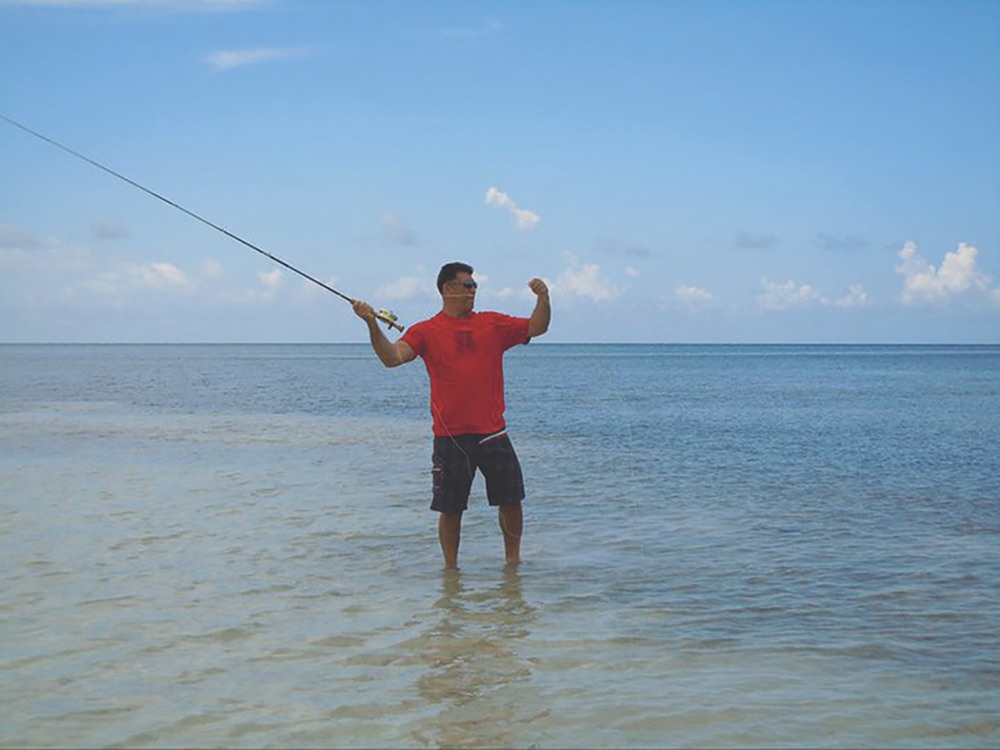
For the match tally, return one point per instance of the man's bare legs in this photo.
(511, 525)
(449, 534)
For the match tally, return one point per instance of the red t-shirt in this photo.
(464, 359)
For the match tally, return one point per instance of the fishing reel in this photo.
(389, 318)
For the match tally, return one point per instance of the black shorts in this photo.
(455, 462)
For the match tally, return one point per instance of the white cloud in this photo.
(525, 219)
(694, 298)
(271, 284)
(402, 288)
(856, 297)
(136, 278)
(49, 270)
(586, 282)
(229, 59)
(488, 292)
(788, 295)
(211, 268)
(25, 254)
(271, 279)
(163, 275)
(632, 271)
(924, 283)
(307, 290)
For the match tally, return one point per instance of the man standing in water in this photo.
(463, 352)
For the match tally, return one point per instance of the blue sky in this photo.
(735, 171)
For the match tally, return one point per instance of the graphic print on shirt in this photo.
(464, 343)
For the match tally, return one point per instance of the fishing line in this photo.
(386, 316)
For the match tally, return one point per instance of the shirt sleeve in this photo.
(414, 336)
(514, 330)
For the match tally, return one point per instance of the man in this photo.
(463, 352)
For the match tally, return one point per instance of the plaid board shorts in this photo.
(456, 460)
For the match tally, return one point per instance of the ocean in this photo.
(725, 546)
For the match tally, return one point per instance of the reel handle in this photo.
(389, 318)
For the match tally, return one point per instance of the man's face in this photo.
(462, 288)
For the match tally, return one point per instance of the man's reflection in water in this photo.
(472, 651)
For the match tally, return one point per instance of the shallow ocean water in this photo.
(724, 546)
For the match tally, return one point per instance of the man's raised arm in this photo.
(542, 313)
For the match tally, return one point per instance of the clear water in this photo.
(725, 546)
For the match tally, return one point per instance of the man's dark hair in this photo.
(449, 271)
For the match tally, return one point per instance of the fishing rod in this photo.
(386, 316)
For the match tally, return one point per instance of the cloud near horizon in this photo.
(924, 283)
(586, 282)
(137, 278)
(694, 298)
(49, 272)
(789, 295)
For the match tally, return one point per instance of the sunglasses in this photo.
(468, 283)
